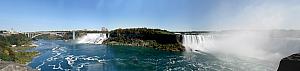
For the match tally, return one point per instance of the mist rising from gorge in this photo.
(252, 26)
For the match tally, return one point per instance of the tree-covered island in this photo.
(154, 38)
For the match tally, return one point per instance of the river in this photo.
(59, 55)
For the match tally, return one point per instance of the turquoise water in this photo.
(57, 55)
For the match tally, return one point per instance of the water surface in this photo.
(59, 55)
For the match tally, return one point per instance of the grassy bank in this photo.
(22, 56)
(25, 57)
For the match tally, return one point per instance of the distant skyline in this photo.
(173, 15)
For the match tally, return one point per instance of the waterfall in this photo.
(248, 43)
(197, 42)
(254, 44)
(93, 38)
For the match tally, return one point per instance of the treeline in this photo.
(15, 39)
(49, 37)
(158, 35)
(155, 38)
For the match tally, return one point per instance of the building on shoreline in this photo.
(8, 33)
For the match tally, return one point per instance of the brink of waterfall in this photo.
(197, 42)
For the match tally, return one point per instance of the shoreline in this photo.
(165, 47)
(23, 53)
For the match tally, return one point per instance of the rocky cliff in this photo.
(290, 63)
(10, 66)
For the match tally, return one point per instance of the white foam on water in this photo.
(81, 65)
(56, 53)
(38, 67)
(71, 59)
(59, 53)
(84, 60)
(101, 61)
(56, 68)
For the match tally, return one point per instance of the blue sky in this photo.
(174, 15)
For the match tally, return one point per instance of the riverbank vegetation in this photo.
(13, 48)
(49, 37)
(154, 38)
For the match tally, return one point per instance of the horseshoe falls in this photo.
(197, 42)
(246, 46)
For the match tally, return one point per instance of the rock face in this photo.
(290, 63)
(10, 66)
